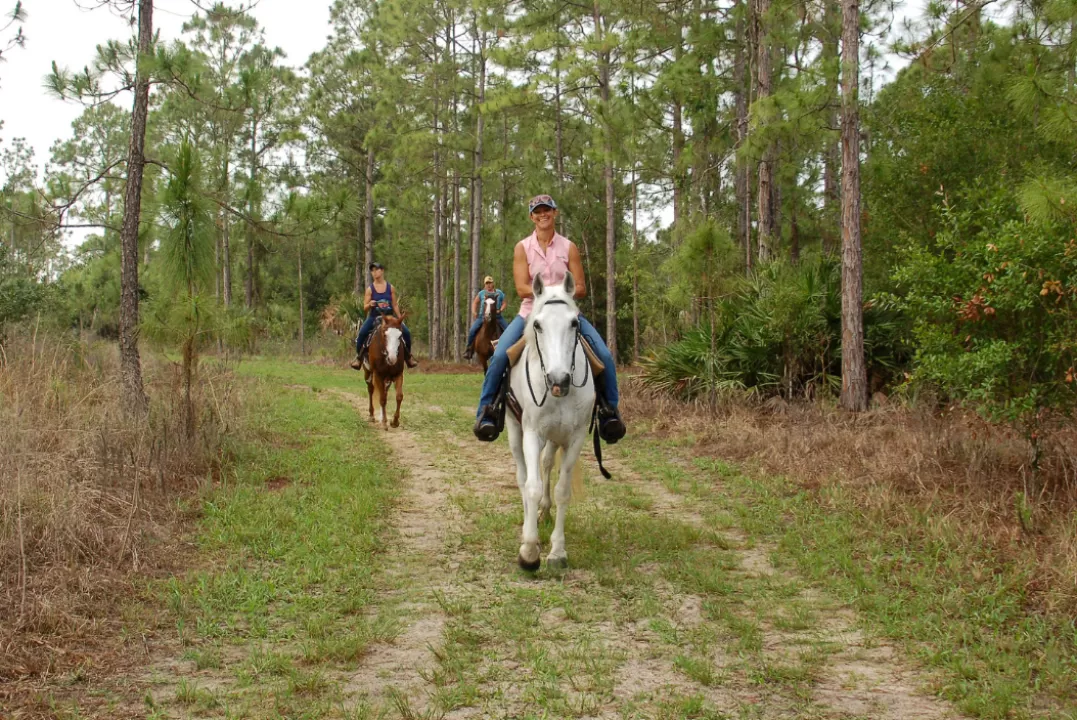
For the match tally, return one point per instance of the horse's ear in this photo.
(570, 284)
(537, 286)
(402, 316)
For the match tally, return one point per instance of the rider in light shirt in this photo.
(551, 255)
(488, 291)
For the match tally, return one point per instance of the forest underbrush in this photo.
(91, 500)
(949, 476)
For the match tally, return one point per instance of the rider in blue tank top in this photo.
(380, 299)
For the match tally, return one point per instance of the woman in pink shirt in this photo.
(551, 255)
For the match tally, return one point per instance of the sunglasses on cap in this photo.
(540, 200)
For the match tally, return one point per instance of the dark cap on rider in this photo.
(377, 265)
(540, 200)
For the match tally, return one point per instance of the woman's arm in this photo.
(368, 302)
(475, 307)
(575, 266)
(521, 275)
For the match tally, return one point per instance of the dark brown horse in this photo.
(385, 366)
(490, 331)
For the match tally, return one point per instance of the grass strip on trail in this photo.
(911, 575)
(295, 535)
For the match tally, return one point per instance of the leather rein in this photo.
(542, 363)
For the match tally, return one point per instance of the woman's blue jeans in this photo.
(500, 360)
(368, 327)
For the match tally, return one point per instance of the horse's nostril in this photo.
(559, 384)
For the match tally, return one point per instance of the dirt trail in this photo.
(583, 654)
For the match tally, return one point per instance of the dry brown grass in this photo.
(901, 460)
(88, 500)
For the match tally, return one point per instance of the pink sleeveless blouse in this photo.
(551, 265)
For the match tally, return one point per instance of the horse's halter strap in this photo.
(542, 364)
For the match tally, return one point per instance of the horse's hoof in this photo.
(395, 423)
(529, 566)
(557, 563)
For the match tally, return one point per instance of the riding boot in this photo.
(408, 359)
(469, 352)
(491, 420)
(611, 427)
(486, 425)
(357, 363)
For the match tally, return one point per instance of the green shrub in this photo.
(778, 332)
(993, 302)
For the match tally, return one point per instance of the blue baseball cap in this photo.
(540, 200)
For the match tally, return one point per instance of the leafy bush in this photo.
(778, 332)
(993, 298)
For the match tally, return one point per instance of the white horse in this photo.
(556, 392)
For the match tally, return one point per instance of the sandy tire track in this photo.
(861, 679)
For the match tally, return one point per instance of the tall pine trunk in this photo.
(435, 334)
(832, 153)
(359, 285)
(854, 383)
(559, 161)
(134, 396)
(302, 306)
(368, 221)
(741, 82)
(635, 266)
(251, 190)
(765, 185)
(457, 265)
(607, 172)
(226, 231)
(476, 198)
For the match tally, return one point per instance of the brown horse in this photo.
(384, 366)
(490, 331)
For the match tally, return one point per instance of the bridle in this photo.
(542, 362)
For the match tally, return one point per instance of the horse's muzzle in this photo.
(560, 383)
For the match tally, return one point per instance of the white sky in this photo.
(63, 31)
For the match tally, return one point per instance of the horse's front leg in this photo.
(558, 558)
(368, 376)
(399, 398)
(383, 393)
(530, 556)
(548, 456)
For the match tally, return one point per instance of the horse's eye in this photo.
(538, 328)
(575, 324)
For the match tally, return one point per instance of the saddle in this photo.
(515, 352)
(364, 352)
(507, 398)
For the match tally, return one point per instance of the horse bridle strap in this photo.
(542, 364)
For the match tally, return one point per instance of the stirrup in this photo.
(611, 427)
(486, 426)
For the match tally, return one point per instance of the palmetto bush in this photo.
(778, 332)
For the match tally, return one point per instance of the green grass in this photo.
(301, 583)
(294, 537)
(914, 578)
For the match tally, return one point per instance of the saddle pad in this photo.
(517, 350)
